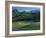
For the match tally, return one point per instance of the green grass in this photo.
(22, 25)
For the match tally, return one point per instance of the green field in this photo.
(22, 25)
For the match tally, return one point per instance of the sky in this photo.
(27, 9)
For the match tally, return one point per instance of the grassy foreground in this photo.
(22, 25)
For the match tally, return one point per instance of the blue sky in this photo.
(27, 9)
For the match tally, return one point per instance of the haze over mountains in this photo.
(26, 9)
